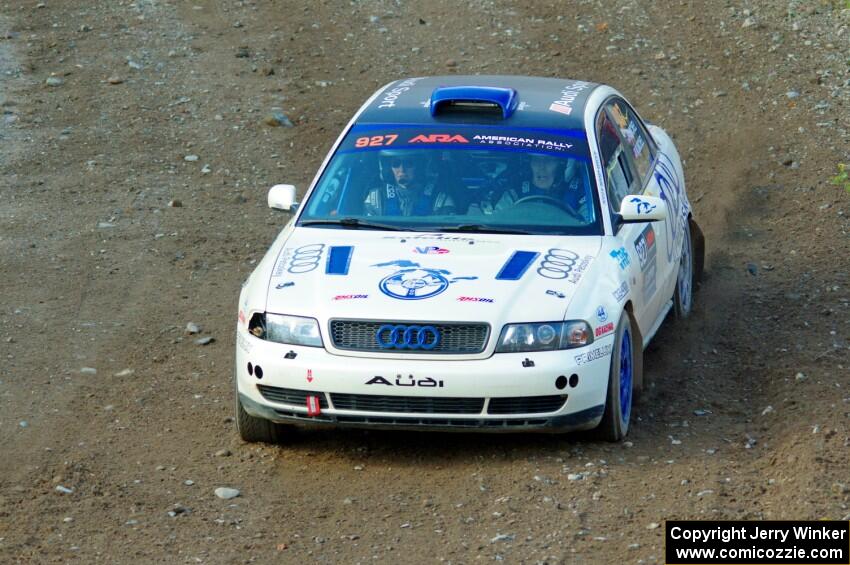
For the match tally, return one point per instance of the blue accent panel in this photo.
(339, 258)
(505, 98)
(516, 266)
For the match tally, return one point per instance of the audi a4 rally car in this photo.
(475, 253)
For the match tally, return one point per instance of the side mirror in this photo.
(637, 208)
(282, 197)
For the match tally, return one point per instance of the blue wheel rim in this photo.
(625, 377)
(685, 276)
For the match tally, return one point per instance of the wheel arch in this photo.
(637, 360)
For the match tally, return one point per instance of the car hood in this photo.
(364, 274)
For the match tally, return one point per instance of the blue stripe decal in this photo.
(339, 258)
(516, 266)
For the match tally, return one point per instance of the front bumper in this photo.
(500, 393)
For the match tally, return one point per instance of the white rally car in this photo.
(482, 253)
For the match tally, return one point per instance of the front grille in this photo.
(526, 404)
(291, 395)
(407, 404)
(361, 335)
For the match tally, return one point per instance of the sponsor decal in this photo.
(243, 343)
(309, 375)
(242, 317)
(622, 257)
(408, 380)
(430, 250)
(602, 330)
(593, 354)
(474, 299)
(639, 145)
(643, 207)
(621, 291)
(557, 264)
(350, 296)
(438, 138)
(526, 142)
(601, 314)
(564, 104)
(556, 293)
(647, 252)
(439, 237)
(300, 260)
(414, 282)
(391, 96)
(579, 269)
(279, 286)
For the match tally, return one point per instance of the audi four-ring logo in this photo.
(407, 337)
(305, 258)
(557, 264)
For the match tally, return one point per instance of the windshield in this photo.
(458, 178)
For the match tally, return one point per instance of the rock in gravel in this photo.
(191, 158)
(88, 371)
(575, 477)
(277, 118)
(226, 493)
(503, 537)
(767, 410)
(188, 482)
(124, 373)
(193, 328)
(223, 453)
(115, 80)
(24, 424)
(204, 340)
(652, 526)
(64, 490)
(800, 377)
(54, 81)
(175, 203)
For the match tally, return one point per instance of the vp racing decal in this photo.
(647, 252)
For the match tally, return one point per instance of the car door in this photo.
(626, 153)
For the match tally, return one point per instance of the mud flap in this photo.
(698, 242)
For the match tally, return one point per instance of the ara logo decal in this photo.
(409, 380)
(430, 250)
(413, 282)
(438, 138)
(601, 314)
(622, 257)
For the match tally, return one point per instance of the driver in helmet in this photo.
(551, 177)
(404, 189)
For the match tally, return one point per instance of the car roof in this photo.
(511, 101)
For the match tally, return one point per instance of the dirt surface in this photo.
(104, 394)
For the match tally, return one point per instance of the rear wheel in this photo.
(618, 401)
(683, 296)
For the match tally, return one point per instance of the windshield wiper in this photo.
(480, 228)
(353, 223)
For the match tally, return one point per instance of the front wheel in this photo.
(618, 401)
(683, 296)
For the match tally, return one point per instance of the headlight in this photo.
(286, 329)
(545, 336)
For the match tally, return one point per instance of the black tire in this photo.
(253, 429)
(683, 295)
(614, 425)
(698, 242)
